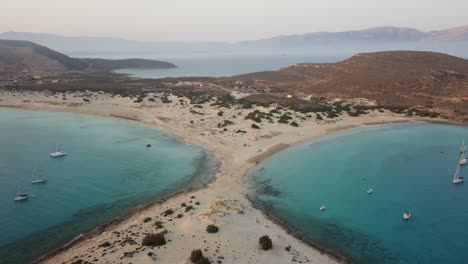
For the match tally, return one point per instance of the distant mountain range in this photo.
(453, 40)
(377, 35)
(16, 55)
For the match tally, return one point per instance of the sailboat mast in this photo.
(456, 172)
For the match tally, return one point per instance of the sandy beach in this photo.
(223, 203)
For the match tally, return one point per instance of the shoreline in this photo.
(336, 255)
(226, 174)
(333, 254)
(119, 219)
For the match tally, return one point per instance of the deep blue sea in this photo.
(107, 172)
(409, 166)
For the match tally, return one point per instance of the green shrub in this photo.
(196, 255)
(254, 126)
(147, 219)
(158, 224)
(284, 119)
(212, 229)
(154, 240)
(203, 260)
(168, 212)
(265, 242)
(105, 244)
(188, 208)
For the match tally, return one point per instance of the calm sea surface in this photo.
(409, 166)
(108, 171)
(218, 65)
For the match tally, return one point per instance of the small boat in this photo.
(463, 159)
(406, 216)
(463, 147)
(148, 145)
(38, 180)
(323, 207)
(21, 197)
(458, 178)
(370, 191)
(57, 153)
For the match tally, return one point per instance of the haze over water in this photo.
(218, 64)
(409, 166)
(108, 171)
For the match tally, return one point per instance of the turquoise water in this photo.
(409, 166)
(108, 171)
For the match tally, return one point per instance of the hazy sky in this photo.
(222, 20)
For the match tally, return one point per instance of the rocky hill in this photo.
(17, 55)
(391, 78)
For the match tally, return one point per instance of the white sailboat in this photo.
(36, 180)
(463, 159)
(463, 147)
(20, 196)
(323, 207)
(57, 153)
(457, 178)
(370, 191)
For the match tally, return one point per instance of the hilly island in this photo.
(408, 82)
(264, 141)
(18, 55)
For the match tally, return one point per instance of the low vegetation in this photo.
(197, 257)
(154, 240)
(212, 229)
(254, 126)
(168, 212)
(265, 242)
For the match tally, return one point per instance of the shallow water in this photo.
(108, 171)
(409, 166)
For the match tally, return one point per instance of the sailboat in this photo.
(463, 147)
(457, 178)
(38, 180)
(463, 159)
(57, 153)
(20, 196)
